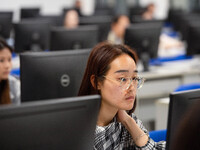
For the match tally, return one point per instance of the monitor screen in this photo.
(175, 16)
(56, 124)
(54, 74)
(31, 35)
(53, 20)
(138, 19)
(179, 103)
(185, 22)
(103, 23)
(29, 12)
(78, 38)
(193, 36)
(5, 24)
(144, 37)
(102, 10)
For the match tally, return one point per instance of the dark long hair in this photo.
(4, 84)
(99, 63)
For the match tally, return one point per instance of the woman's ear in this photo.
(92, 77)
(92, 80)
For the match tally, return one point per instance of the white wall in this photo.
(47, 6)
(87, 7)
(55, 6)
(181, 4)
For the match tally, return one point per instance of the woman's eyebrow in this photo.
(120, 71)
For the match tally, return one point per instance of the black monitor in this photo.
(53, 20)
(179, 103)
(56, 124)
(103, 23)
(54, 74)
(139, 19)
(31, 35)
(103, 10)
(144, 38)
(174, 17)
(77, 38)
(29, 12)
(5, 24)
(193, 36)
(185, 21)
(136, 10)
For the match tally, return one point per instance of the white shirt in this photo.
(15, 94)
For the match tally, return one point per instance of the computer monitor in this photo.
(103, 10)
(53, 20)
(174, 17)
(185, 21)
(77, 38)
(5, 24)
(136, 10)
(103, 23)
(55, 124)
(144, 39)
(54, 74)
(29, 12)
(193, 36)
(139, 19)
(31, 35)
(179, 103)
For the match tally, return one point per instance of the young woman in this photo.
(118, 28)
(71, 19)
(112, 72)
(9, 85)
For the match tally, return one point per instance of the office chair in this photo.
(185, 87)
(15, 72)
(158, 135)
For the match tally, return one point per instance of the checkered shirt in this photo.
(116, 137)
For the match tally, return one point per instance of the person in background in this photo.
(149, 13)
(9, 85)
(118, 28)
(77, 7)
(112, 72)
(71, 19)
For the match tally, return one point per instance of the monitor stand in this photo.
(145, 61)
(36, 48)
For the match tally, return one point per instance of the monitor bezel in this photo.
(180, 97)
(19, 115)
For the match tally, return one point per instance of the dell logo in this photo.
(65, 80)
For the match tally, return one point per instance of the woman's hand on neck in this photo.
(106, 115)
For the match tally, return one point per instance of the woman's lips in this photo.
(130, 98)
(6, 72)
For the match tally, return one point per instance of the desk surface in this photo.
(164, 79)
(173, 69)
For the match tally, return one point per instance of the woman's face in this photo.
(121, 26)
(113, 94)
(71, 19)
(5, 63)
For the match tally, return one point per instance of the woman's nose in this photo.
(8, 64)
(131, 85)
